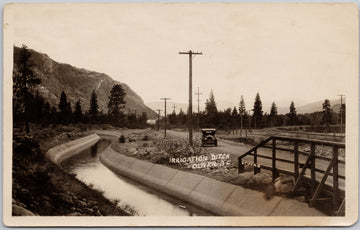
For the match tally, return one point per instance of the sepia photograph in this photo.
(180, 114)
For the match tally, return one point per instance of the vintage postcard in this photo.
(180, 114)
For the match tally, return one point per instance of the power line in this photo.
(190, 53)
(165, 99)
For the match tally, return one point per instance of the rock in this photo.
(81, 203)
(74, 214)
(131, 150)
(262, 179)
(98, 213)
(269, 192)
(24, 191)
(89, 210)
(284, 184)
(245, 178)
(22, 205)
(20, 211)
(47, 204)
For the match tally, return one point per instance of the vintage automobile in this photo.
(208, 137)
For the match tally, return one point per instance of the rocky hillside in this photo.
(78, 84)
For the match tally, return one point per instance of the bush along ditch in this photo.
(177, 153)
(40, 187)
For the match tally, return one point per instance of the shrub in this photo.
(27, 147)
(122, 139)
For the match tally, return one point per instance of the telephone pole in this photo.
(158, 118)
(341, 112)
(198, 100)
(190, 53)
(165, 99)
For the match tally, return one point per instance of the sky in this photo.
(286, 52)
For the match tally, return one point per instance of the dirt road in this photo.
(237, 149)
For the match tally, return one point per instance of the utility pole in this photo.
(165, 99)
(158, 118)
(341, 112)
(190, 53)
(198, 100)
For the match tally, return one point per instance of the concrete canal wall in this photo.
(68, 149)
(216, 196)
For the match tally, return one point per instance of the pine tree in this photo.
(63, 108)
(211, 110)
(182, 119)
(24, 80)
(78, 115)
(46, 112)
(293, 119)
(342, 114)
(94, 107)
(242, 113)
(142, 120)
(273, 113)
(327, 113)
(242, 109)
(116, 100)
(258, 113)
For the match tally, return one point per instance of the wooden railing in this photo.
(316, 186)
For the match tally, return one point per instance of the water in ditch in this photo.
(145, 201)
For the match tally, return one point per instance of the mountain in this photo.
(78, 84)
(317, 106)
(222, 105)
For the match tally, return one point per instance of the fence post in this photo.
(256, 169)
(296, 159)
(240, 166)
(274, 171)
(312, 166)
(336, 177)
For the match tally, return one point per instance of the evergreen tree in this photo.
(273, 114)
(234, 118)
(94, 107)
(47, 112)
(53, 115)
(258, 113)
(116, 100)
(342, 113)
(38, 107)
(182, 119)
(242, 109)
(327, 113)
(24, 80)
(172, 118)
(78, 115)
(211, 110)
(292, 116)
(63, 108)
(242, 113)
(143, 120)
